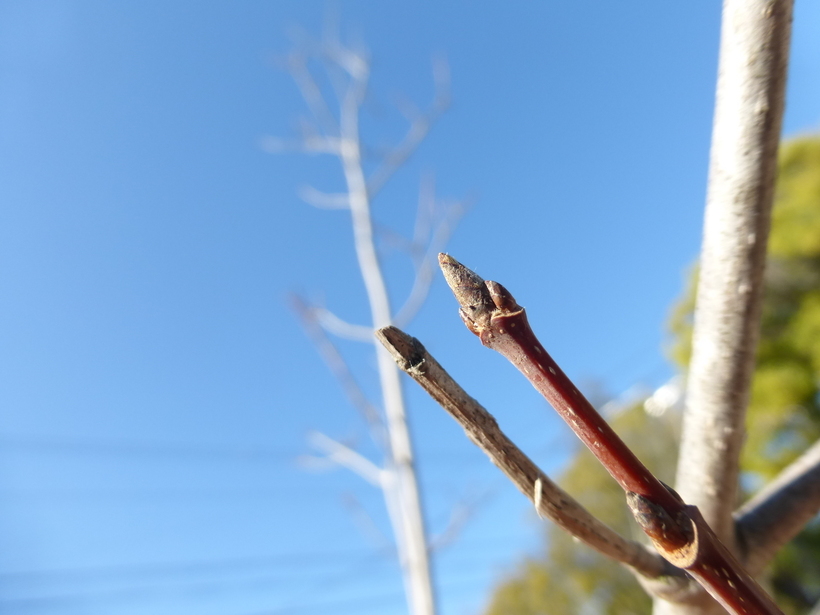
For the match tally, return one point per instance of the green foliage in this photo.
(784, 412)
(783, 420)
(796, 218)
(682, 323)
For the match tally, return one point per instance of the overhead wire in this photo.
(154, 595)
(127, 448)
(155, 451)
(292, 559)
(150, 593)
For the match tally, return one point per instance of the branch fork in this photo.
(678, 531)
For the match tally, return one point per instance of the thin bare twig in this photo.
(425, 213)
(367, 525)
(311, 93)
(416, 133)
(461, 514)
(780, 510)
(339, 368)
(331, 323)
(307, 144)
(491, 313)
(427, 265)
(323, 200)
(347, 70)
(480, 426)
(347, 457)
(678, 531)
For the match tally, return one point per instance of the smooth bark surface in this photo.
(754, 46)
(749, 107)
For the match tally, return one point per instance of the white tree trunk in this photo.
(348, 71)
(404, 499)
(754, 47)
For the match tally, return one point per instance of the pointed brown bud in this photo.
(470, 292)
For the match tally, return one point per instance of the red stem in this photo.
(678, 531)
(517, 343)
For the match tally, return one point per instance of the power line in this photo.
(48, 444)
(232, 495)
(114, 495)
(106, 572)
(292, 559)
(126, 448)
(150, 593)
(364, 602)
(396, 597)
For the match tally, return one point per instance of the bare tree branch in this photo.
(308, 145)
(339, 368)
(460, 515)
(482, 429)
(777, 514)
(323, 200)
(426, 267)
(404, 501)
(679, 532)
(312, 94)
(348, 70)
(425, 214)
(367, 524)
(355, 63)
(341, 328)
(416, 133)
(750, 92)
(347, 457)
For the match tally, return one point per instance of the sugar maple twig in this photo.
(678, 531)
(552, 501)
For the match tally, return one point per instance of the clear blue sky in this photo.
(155, 390)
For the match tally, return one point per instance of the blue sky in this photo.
(155, 389)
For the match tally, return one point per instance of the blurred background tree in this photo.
(783, 420)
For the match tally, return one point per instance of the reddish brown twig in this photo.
(678, 531)
(549, 499)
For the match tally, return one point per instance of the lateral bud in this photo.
(502, 298)
(668, 533)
